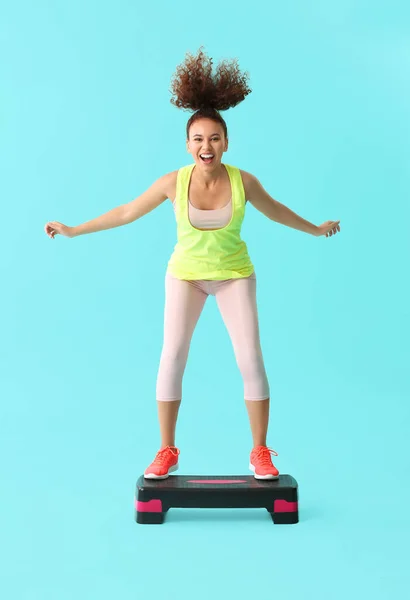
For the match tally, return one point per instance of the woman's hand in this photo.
(54, 228)
(328, 228)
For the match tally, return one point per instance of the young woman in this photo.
(210, 258)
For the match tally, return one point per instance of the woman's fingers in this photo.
(49, 229)
(333, 229)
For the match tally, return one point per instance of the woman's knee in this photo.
(249, 358)
(175, 353)
(253, 372)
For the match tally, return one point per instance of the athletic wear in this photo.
(165, 462)
(210, 259)
(213, 254)
(208, 219)
(261, 463)
(184, 301)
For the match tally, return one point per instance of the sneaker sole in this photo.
(252, 468)
(154, 476)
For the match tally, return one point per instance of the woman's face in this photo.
(206, 137)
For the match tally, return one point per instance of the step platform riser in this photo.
(154, 498)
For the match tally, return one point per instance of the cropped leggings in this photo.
(236, 300)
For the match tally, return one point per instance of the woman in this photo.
(209, 199)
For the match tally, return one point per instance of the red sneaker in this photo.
(261, 463)
(165, 462)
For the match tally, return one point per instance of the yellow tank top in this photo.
(211, 254)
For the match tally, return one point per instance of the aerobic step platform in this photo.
(154, 498)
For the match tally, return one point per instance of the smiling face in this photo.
(207, 143)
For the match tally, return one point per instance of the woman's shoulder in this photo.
(247, 179)
(170, 181)
(169, 184)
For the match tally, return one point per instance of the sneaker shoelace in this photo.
(162, 455)
(263, 455)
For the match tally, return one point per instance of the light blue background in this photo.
(86, 125)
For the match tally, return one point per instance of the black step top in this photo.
(217, 483)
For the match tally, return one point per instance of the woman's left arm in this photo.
(274, 210)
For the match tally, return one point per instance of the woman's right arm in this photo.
(121, 215)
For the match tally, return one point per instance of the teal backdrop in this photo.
(86, 125)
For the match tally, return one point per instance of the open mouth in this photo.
(207, 158)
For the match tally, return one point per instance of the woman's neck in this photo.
(206, 179)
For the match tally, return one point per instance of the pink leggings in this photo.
(236, 300)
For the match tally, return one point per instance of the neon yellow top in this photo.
(214, 254)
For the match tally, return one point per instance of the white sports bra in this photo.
(209, 219)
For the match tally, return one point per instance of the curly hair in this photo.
(195, 87)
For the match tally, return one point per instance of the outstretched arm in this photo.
(274, 210)
(120, 215)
